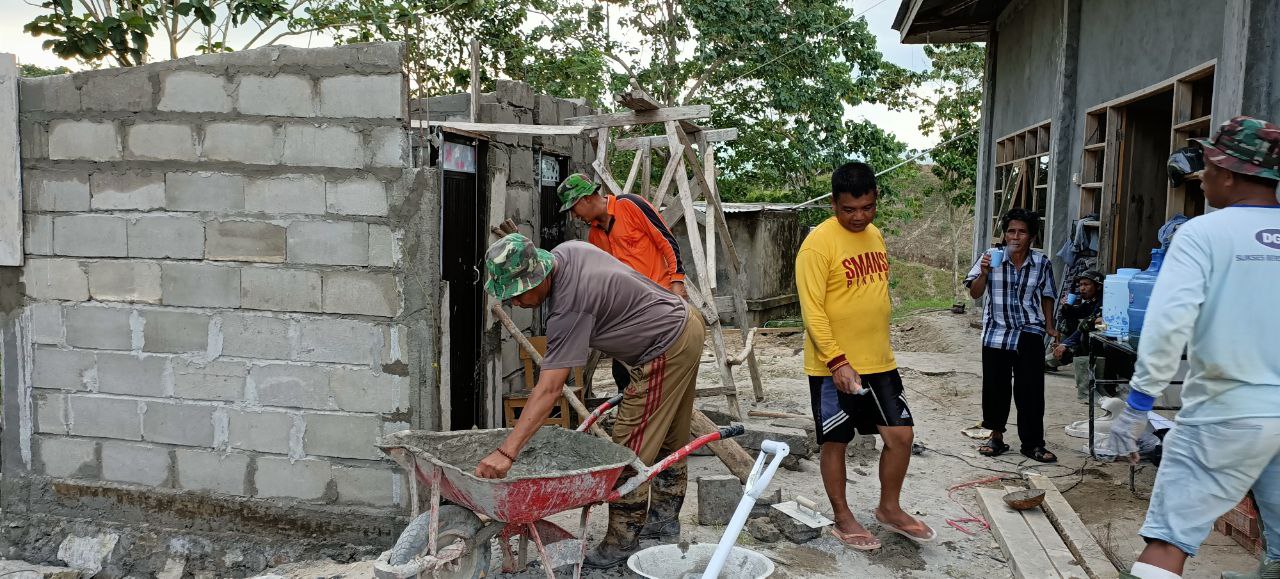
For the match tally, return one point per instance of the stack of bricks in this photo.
(1244, 526)
(213, 281)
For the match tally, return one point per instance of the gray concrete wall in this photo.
(214, 298)
(1027, 67)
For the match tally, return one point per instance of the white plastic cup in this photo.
(997, 257)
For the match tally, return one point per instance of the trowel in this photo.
(805, 511)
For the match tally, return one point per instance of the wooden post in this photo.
(475, 80)
(728, 450)
(645, 186)
(635, 170)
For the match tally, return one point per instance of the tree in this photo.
(950, 95)
(33, 71)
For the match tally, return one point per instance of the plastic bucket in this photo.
(689, 561)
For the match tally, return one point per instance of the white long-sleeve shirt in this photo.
(1218, 295)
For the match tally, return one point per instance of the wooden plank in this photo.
(645, 185)
(713, 136)
(635, 171)
(640, 100)
(1063, 561)
(1072, 530)
(505, 128)
(716, 391)
(675, 164)
(627, 118)
(1027, 559)
(1157, 88)
(728, 451)
(475, 80)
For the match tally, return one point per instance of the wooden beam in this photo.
(627, 118)
(475, 80)
(1026, 557)
(639, 100)
(505, 128)
(1063, 561)
(728, 450)
(646, 185)
(1076, 536)
(635, 170)
(674, 164)
(713, 136)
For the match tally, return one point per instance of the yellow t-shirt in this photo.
(843, 282)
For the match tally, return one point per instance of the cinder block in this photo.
(515, 93)
(249, 143)
(361, 292)
(55, 94)
(51, 408)
(62, 369)
(160, 142)
(105, 417)
(357, 196)
(382, 246)
(285, 95)
(188, 91)
(68, 457)
(55, 279)
(546, 112)
(289, 290)
(341, 341)
(218, 472)
(175, 332)
(55, 191)
(117, 89)
(328, 242)
(343, 436)
(244, 241)
(90, 236)
(322, 146)
(46, 323)
(303, 194)
(388, 147)
(291, 385)
(366, 486)
(100, 328)
(718, 497)
(124, 281)
(134, 375)
(218, 380)
(363, 96)
(262, 431)
(203, 191)
(137, 191)
(166, 237)
(255, 336)
(185, 424)
(365, 391)
(89, 140)
(394, 343)
(143, 464)
(200, 285)
(300, 479)
(522, 170)
(37, 235)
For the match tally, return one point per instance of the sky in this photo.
(879, 14)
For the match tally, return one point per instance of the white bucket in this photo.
(688, 561)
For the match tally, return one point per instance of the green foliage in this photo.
(33, 71)
(953, 112)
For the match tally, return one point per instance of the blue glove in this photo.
(1129, 426)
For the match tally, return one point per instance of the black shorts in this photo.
(838, 415)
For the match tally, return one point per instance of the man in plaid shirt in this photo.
(1018, 314)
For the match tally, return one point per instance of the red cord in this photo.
(975, 519)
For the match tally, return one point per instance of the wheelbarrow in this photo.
(559, 470)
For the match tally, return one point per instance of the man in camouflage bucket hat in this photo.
(595, 301)
(1215, 298)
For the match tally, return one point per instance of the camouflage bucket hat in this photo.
(1245, 145)
(575, 187)
(515, 266)
(1091, 275)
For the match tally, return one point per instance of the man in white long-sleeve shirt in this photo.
(1218, 295)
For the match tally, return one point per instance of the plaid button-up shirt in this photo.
(1012, 303)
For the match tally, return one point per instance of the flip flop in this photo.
(848, 538)
(921, 540)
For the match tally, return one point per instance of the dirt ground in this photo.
(938, 354)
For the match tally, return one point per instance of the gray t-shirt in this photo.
(598, 302)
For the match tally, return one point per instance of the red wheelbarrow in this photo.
(559, 470)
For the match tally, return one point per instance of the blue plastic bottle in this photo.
(1140, 286)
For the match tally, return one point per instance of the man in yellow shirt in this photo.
(842, 273)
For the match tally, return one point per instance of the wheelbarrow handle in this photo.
(600, 411)
(644, 474)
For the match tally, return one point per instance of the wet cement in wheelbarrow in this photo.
(551, 450)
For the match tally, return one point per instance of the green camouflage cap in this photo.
(1245, 145)
(515, 266)
(574, 187)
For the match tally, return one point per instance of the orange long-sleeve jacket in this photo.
(638, 237)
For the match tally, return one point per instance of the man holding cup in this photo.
(1017, 315)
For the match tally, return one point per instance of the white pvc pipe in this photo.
(756, 483)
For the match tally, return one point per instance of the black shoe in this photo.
(607, 555)
(661, 530)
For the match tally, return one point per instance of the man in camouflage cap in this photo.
(1216, 299)
(594, 301)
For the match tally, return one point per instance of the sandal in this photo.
(849, 538)
(1040, 454)
(929, 536)
(993, 448)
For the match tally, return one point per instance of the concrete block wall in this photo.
(214, 288)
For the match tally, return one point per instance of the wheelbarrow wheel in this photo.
(455, 523)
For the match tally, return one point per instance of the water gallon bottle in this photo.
(1140, 286)
(1115, 302)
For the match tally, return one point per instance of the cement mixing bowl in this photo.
(685, 561)
(1026, 499)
